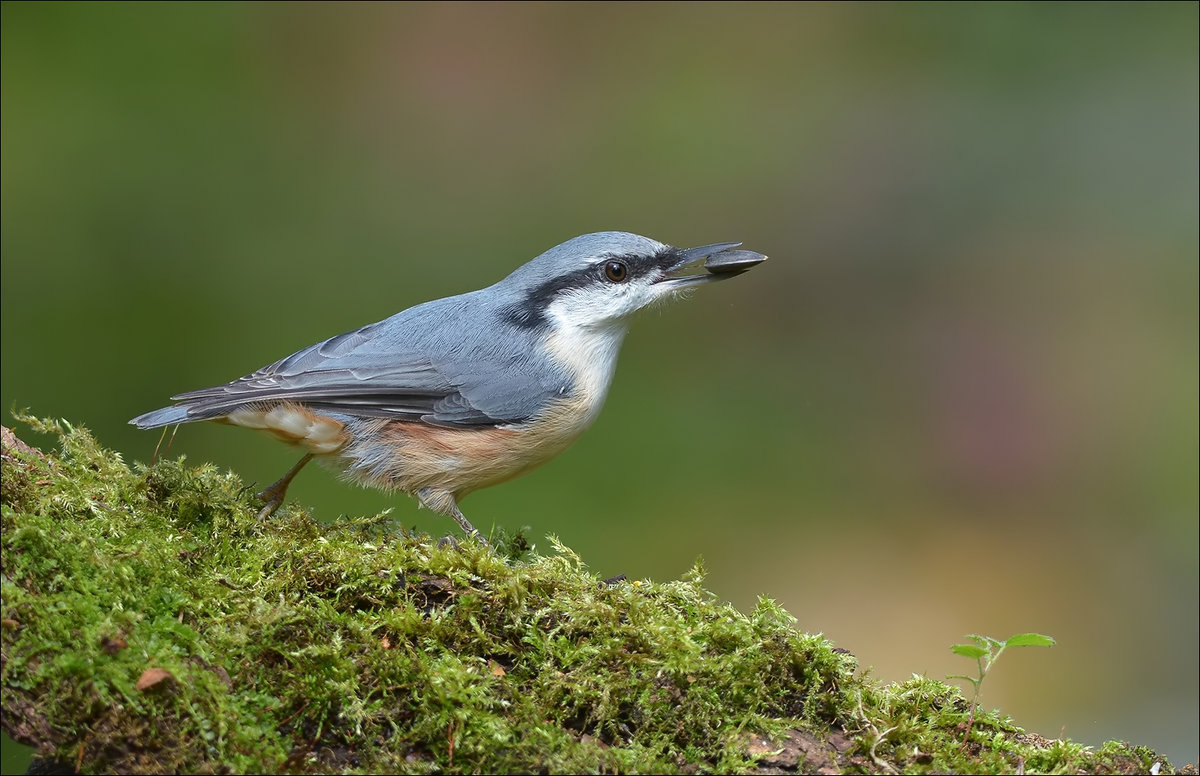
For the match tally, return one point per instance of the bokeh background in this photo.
(961, 397)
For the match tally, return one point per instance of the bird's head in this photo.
(599, 280)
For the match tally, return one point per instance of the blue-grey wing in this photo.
(417, 366)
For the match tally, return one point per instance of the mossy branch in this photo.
(152, 624)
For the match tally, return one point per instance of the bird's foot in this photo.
(274, 493)
(273, 499)
(443, 501)
(450, 541)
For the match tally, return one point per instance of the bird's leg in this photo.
(274, 493)
(443, 501)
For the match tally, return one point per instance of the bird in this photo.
(468, 391)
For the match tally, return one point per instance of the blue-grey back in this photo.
(454, 361)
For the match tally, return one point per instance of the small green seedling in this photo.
(986, 651)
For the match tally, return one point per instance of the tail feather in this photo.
(167, 416)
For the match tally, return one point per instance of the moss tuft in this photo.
(152, 623)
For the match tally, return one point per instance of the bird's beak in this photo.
(721, 262)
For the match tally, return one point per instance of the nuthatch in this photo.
(468, 391)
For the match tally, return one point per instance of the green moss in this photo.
(356, 647)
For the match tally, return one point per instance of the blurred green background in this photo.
(960, 398)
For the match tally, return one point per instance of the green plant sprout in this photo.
(986, 651)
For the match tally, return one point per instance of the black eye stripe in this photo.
(530, 312)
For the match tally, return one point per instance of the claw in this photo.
(275, 493)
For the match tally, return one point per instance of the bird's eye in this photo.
(616, 271)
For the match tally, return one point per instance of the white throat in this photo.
(587, 352)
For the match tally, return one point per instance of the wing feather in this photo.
(388, 369)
